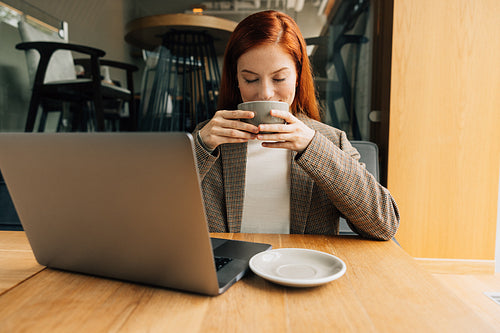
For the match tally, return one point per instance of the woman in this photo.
(302, 176)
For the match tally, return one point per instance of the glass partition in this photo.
(342, 63)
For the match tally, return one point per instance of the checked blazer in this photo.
(326, 181)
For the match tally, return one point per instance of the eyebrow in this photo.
(277, 71)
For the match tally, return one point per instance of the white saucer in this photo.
(297, 267)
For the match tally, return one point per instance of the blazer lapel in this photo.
(301, 186)
(234, 166)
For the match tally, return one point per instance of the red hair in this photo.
(268, 27)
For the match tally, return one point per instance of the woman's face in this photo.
(267, 73)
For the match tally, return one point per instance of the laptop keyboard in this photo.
(221, 262)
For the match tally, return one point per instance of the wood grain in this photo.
(146, 32)
(383, 290)
(14, 241)
(457, 266)
(471, 289)
(444, 142)
(15, 266)
(17, 262)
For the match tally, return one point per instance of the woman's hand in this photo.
(226, 127)
(294, 135)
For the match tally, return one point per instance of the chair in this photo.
(185, 85)
(369, 156)
(112, 106)
(52, 72)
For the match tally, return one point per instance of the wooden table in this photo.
(383, 290)
(146, 32)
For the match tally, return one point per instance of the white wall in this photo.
(96, 23)
(15, 92)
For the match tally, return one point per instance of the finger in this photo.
(279, 144)
(286, 115)
(220, 121)
(236, 114)
(243, 126)
(223, 140)
(234, 133)
(273, 137)
(281, 128)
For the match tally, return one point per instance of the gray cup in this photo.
(262, 111)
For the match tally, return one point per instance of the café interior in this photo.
(414, 81)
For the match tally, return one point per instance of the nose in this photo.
(266, 91)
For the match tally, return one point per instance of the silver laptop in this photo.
(120, 205)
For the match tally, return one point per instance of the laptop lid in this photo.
(119, 205)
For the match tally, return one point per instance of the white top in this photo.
(266, 206)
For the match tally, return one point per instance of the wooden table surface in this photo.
(146, 32)
(383, 290)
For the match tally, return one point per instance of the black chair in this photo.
(369, 156)
(112, 106)
(53, 75)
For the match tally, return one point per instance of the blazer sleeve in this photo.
(333, 164)
(204, 158)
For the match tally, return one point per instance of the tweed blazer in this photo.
(327, 181)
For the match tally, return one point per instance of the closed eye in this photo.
(251, 81)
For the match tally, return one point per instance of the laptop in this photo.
(126, 206)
